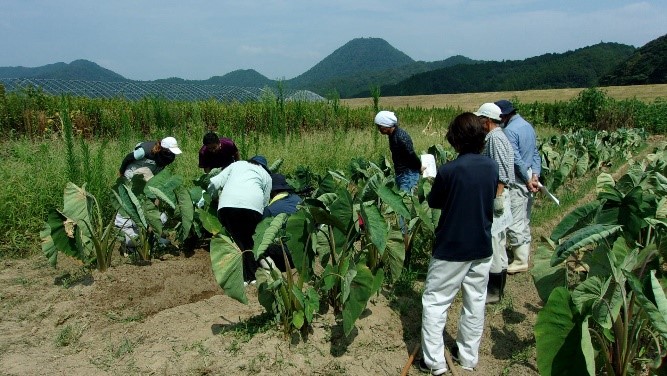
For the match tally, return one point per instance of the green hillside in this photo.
(578, 68)
(83, 70)
(647, 65)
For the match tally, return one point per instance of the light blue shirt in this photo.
(521, 136)
(241, 185)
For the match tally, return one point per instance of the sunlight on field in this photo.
(471, 101)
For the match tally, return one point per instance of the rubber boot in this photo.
(503, 281)
(493, 289)
(520, 263)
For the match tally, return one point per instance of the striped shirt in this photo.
(498, 148)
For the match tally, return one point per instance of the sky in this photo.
(281, 39)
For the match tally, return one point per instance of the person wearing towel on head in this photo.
(243, 190)
(407, 165)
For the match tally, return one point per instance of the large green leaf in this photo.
(54, 238)
(605, 183)
(361, 289)
(562, 339)
(209, 221)
(546, 277)
(162, 196)
(575, 220)
(376, 227)
(77, 206)
(297, 228)
(656, 295)
(226, 262)
(394, 200)
(186, 211)
(424, 213)
(266, 233)
(656, 318)
(582, 238)
(589, 292)
(395, 254)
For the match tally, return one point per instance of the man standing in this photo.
(527, 168)
(498, 148)
(217, 152)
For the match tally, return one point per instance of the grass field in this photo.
(471, 101)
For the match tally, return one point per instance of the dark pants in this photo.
(241, 225)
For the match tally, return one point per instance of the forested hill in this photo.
(579, 68)
(83, 70)
(647, 65)
(240, 77)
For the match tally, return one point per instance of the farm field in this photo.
(471, 101)
(172, 318)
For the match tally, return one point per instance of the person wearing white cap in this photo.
(527, 168)
(498, 148)
(147, 159)
(407, 165)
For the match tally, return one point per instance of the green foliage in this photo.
(611, 317)
(79, 230)
(647, 65)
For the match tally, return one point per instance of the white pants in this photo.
(522, 201)
(443, 281)
(499, 260)
(130, 229)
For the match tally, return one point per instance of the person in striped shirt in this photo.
(498, 148)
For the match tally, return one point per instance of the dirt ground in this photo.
(171, 318)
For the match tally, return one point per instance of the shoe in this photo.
(455, 356)
(493, 288)
(246, 283)
(424, 368)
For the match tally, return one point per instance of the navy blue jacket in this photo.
(464, 190)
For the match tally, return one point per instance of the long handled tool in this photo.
(411, 359)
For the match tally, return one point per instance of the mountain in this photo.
(579, 68)
(647, 65)
(241, 78)
(83, 70)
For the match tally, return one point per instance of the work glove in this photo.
(498, 206)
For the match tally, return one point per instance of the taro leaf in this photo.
(162, 196)
(329, 277)
(395, 254)
(77, 206)
(227, 268)
(423, 214)
(376, 227)
(54, 238)
(130, 205)
(326, 185)
(209, 221)
(186, 210)
(342, 209)
(546, 277)
(152, 215)
(605, 182)
(266, 233)
(369, 190)
(439, 153)
(661, 210)
(266, 290)
(345, 284)
(394, 200)
(575, 220)
(361, 290)
(196, 193)
(165, 182)
(302, 255)
(312, 303)
(657, 295)
(562, 339)
(582, 238)
(582, 162)
(589, 292)
(298, 319)
(656, 318)
(606, 310)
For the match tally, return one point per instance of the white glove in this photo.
(498, 206)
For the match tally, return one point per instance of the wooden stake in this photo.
(450, 363)
(411, 359)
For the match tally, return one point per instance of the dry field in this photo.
(471, 101)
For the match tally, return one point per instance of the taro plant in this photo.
(79, 231)
(147, 203)
(601, 278)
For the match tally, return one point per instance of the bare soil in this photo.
(171, 318)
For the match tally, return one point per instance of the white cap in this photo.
(490, 110)
(386, 119)
(171, 144)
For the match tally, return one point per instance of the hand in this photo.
(498, 206)
(423, 168)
